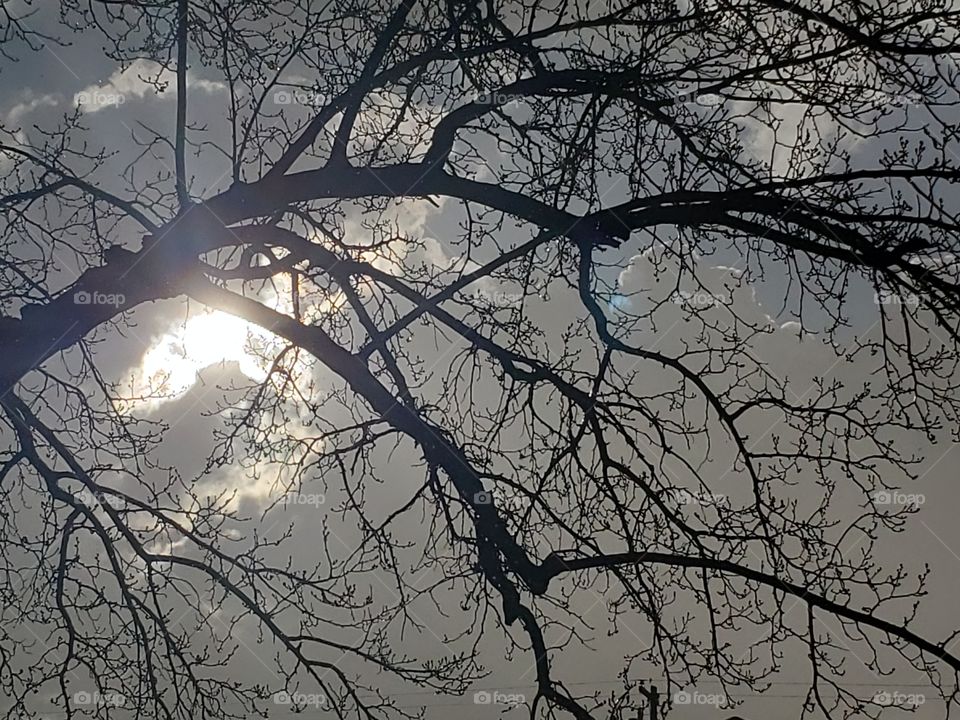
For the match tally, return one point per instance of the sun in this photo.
(170, 366)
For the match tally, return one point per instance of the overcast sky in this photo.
(207, 353)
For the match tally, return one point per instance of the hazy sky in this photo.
(203, 353)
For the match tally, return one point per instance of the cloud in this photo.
(795, 133)
(13, 120)
(7, 159)
(139, 80)
(27, 106)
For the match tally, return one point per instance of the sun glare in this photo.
(171, 365)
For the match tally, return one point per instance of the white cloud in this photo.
(794, 132)
(27, 106)
(141, 79)
(7, 159)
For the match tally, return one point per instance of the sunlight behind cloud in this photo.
(170, 366)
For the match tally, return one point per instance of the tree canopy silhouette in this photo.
(615, 189)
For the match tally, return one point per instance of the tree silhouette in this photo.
(811, 146)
